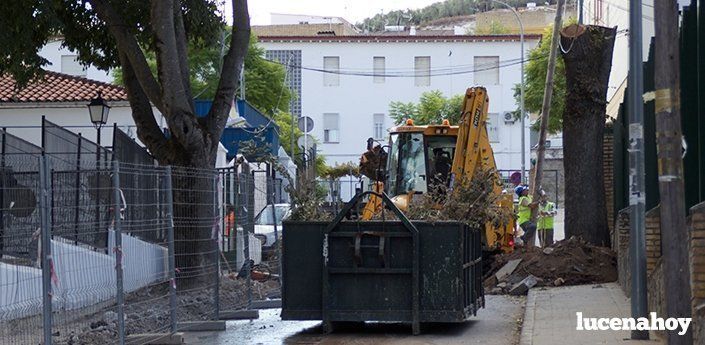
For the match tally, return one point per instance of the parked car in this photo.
(264, 224)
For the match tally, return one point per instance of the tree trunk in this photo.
(587, 53)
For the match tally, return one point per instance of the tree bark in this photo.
(191, 143)
(674, 229)
(587, 53)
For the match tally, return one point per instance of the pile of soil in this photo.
(568, 262)
(147, 310)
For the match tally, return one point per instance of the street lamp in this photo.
(521, 99)
(98, 110)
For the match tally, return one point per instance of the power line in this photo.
(444, 71)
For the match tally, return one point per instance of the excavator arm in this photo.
(472, 152)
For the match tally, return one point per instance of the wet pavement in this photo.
(498, 323)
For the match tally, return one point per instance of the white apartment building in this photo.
(613, 13)
(346, 83)
(63, 60)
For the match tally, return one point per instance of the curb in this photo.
(527, 327)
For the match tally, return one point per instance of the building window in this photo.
(331, 64)
(378, 68)
(378, 126)
(493, 127)
(486, 70)
(71, 66)
(331, 128)
(422, 68)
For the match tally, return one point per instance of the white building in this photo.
(287, 19)
(63, 60)
(613, 13)
(345, 83)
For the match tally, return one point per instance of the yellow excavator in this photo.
(421, 157)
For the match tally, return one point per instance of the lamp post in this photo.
(98, 111)
(521, 99)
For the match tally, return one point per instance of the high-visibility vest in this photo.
(546, 222)
(524, 214)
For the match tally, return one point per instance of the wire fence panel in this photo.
(95, 250)
(19, 216)
(20, 269)
(196, 228)
(147, 273)
(82, 269)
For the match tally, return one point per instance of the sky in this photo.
(352, 10)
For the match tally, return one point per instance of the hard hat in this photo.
(519, 189)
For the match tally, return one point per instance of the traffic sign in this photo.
(305, 124)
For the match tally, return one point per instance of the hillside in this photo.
(436, 11)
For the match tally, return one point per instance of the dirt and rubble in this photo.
(568, 262)
(147, 310)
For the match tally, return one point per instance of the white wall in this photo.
(358, 97)
(616, 13)
(83, 277)
(25, 122)
(283, 19)
(53, 51)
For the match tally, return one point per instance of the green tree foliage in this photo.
(535, 78)
(433, 107)
(443, 9)
(265, 81)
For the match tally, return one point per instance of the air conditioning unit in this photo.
(508, 117)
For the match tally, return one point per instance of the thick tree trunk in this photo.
(587, 53)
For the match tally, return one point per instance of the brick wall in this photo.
(653, 238)
(620, 244)
(654, 263)
(655, 287)
(697, 271)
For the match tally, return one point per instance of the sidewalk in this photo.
(550, 316)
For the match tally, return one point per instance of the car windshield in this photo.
(407, 164)
(265, 217)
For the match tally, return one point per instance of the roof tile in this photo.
(58, 87)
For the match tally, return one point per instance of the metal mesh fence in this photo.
(98, 250)
(251, 226)
(20, 270)
(196, 224)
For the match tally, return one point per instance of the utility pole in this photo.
(637, 235)
(674, 232)
(546, 110)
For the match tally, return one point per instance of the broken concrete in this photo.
(522, 287)
(507, 270)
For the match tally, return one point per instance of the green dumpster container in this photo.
(381, 271)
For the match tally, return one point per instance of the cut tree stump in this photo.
(587, 54)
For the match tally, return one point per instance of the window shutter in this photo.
(422, 68)
(486, 70)
(331, 64)
(378, 65)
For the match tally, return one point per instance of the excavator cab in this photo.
(420, 158)
(432, 157)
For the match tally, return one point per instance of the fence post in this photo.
(117, 230)
(216, 248)
(170, 244)
(45, 215)
(250, 195)
(77, 193)
(278, 244)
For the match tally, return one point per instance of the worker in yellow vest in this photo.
(547, 211)
(526, 204)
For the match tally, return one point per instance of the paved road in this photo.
(498, 323)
